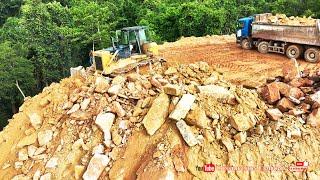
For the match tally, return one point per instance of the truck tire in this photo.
(294, 51)
(312, 55)
(246, 44)
(263, 47)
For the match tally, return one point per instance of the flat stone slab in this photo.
(187, 133)
(183, 107)
(157, 114)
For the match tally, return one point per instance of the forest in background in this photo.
(41, 39)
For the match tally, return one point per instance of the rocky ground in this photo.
(167, 122)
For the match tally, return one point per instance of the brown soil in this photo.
(246, 67)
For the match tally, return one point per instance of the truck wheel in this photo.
(294, 51)
(263, 47)
(312, 55)
(246, 44)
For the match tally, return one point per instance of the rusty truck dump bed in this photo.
(308, 35)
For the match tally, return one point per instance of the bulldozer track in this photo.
(241, 66)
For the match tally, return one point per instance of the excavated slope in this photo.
(166, 123)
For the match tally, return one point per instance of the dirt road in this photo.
(247, 67)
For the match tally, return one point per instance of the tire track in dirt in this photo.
(247, 67)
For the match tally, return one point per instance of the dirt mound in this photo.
(169, 122)
(199, 41)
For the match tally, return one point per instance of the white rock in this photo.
(18, 164)
(23, 155)
(35, 120)
(105, 122)
(102, 84)
(37, 175)
(119, 80)
(84, 104)
(99, 149)
(210, 80)
(96, 165)
(52, 163)
(183, 107)
(20, 177)
(44, 137)
(115, 89)
(31, 150)
(187, 133)
(39, 151)
(124, 124)
(74, 108)
(77, 71)
(218, 92)
(46, 177)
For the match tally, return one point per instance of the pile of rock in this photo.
(89, 118)
(295, 96)
(282, 19)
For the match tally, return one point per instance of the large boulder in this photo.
(157, 114)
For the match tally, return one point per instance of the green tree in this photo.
(14, 67)
(8, 8)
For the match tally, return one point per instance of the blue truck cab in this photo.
(244, 29)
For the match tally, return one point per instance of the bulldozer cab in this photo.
(129, 46)
(129, 40)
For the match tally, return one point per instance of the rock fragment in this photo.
(105, 122)
(271, 93)
(78, 171)
(171, 89)
(210, 80)
(187, 133)
(219, 92)
(35, 120)
(31, 150)
(183, 107)
(52, 163)
(170, 71)
(315, 97)
(241, 137)
(314, 118)
(46, 176)
(84, 104)
(44, 137)
(119, 80)
(102, 85)
(178, 164)
(96, 165)
(23, 154)
(74, 108)
(198, 117)
(285, 105)
(274, 114)
(242, 122)
(118, 109)
(157, 114)
(228, 143)
(27, 140)
(114, 89)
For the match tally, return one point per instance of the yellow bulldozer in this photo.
(130, 48)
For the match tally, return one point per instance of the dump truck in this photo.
(130, 48)
(293, 39)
